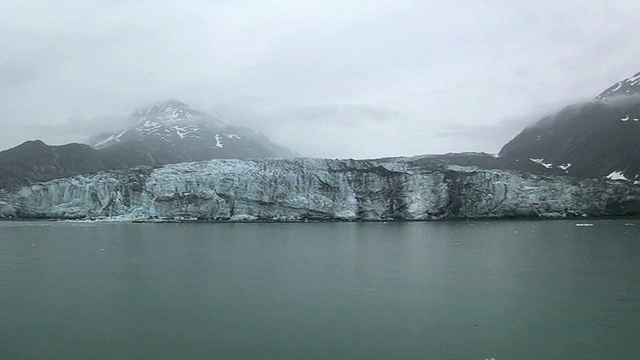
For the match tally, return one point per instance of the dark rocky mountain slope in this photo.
(599, 138)
(35, 161)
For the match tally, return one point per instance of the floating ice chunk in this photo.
(243, 217)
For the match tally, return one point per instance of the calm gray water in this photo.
(445, 290)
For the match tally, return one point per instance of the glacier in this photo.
(317, 189)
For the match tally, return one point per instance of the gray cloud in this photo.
(327, 78)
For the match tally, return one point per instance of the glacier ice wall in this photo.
(296, 189)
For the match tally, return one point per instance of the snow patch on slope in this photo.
(617, 175)
(541, 162)
(628, 86)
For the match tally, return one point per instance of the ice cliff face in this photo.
(298, 189)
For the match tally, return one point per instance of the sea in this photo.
(477, 290)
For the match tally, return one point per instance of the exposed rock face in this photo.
(299, 189)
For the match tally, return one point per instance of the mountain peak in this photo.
(629, 86)
(165, 110)
(190, 135)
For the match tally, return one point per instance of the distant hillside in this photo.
(35, 161)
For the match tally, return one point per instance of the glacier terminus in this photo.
(317, 189)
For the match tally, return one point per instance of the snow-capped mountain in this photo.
(190, 135)
(166, 133)
(599, 138)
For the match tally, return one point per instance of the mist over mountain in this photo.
(444, 80)
(598, 138)
(191, 135)
(166, 133)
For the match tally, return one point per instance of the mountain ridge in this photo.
(628, 86)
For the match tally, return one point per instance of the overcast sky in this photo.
(326, 78)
